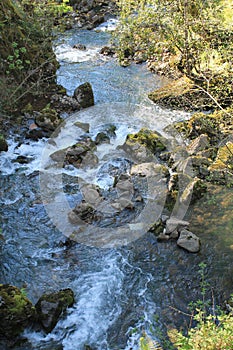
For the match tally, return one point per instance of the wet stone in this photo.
(189, 241)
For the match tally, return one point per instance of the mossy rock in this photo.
(84, 95)
(194, 191)
(50, 307)
(48, 119)
(176, 93)
(224, 159)
(152, 140)
(16, 311)
(216, 125)
(221, 170)
(3, 144)
(195, 94)
(158, 227)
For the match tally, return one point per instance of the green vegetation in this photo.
(27, 61)
(212, 327)
(192, 38)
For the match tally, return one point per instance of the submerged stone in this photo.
(50, 307)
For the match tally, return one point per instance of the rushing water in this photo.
(122, 290)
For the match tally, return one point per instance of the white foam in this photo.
(31, 150)
(68, 54)
(108, 26)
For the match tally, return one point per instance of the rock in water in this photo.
(16, 311)
(189, 241)
(50, 306)
(48, 119)
(84, 95)
(3, 144)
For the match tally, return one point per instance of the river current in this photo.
(122, 288)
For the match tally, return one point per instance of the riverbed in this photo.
(122, 287)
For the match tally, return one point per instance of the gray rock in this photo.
(193, 191)
(50, 307)
(82, 213)
(198, 144)
(84, 126)
(162, 237)
(48, 119)
(149, 169)
(64, 103)
(102, 137)
(189, 241)
(107, 51)
(84, 95)
(36, 134)
(174, 224)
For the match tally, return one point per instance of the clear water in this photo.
(122, 290)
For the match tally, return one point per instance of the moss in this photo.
(50, 306)
(150, 139)
(158, 227)
(224, 159)
(221, 170)
(17, 312)
(216, 125)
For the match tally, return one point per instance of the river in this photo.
(122, 287)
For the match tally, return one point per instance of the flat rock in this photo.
(148, 169)
(198, 144)
(189, 241)
(173, 224)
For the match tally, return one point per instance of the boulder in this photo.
(84, 95)
(170, 94)
(64, 103)
(3, 144)
(194, 166)
(153, 140)
(36, 133)
(84, 126)
(143, 145)
(194, 191)
(79, 154)
(173, 224)
(221, 170)
(102, 137)
(48, 119)
(149, 169)
(163, 237)
(50, 307)
(158, 227)
(17, 312)
(198, 144)
(82, 213)
(189, 241)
